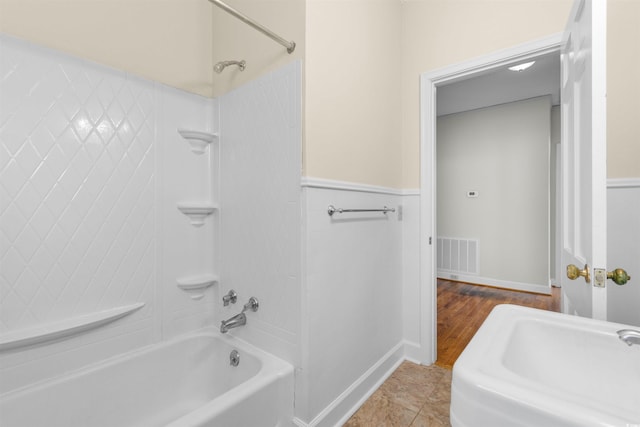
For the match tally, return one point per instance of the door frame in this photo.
(429, 82)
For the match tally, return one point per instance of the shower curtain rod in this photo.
(290, 45)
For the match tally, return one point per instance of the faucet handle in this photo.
(230, 297)
(252, 305)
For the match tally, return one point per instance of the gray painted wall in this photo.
(502, 152)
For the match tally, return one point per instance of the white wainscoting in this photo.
(411, 281)
(353, 296)
(623, 249)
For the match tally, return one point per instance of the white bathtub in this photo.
(184, 382)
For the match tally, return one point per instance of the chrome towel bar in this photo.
(332, 210)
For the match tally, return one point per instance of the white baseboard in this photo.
(413, 352)
(506, 284)
(344, 406)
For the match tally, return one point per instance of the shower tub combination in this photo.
(189, 381)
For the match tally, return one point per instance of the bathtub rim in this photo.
(268, 360)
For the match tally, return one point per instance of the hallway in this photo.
(419, 396)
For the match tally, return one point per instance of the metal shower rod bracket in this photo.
(290, 45)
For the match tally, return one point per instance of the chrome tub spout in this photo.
(239, 319)
(629, 336)
(235, 321)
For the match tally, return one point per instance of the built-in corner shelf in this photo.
(196, 285)
(64, 328)
(199, 141)
(197, 212)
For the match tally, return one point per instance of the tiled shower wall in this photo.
(91, 169)
(261, 142)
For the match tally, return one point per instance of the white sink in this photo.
(529, 367)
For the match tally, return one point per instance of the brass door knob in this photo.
(619, 276)
(574, 272)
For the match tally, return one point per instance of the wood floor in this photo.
(463, 307)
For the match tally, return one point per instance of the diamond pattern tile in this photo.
(77, 176)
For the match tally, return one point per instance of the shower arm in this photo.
(290, 45)
(224, 64)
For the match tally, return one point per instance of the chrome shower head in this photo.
(224, 64)
(219, 67)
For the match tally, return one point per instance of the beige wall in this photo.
(623, 89)
(352, 91)
(438, 33)
(175, 42)
(235, 40)
(352, 112)
(362, 63)
(169, 41)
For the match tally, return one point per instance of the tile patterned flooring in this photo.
(413, 396)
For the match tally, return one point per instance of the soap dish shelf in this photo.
(196, 285)
(64, 328)
(199, 141)
(197, 212)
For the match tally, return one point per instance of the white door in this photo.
(584, 197)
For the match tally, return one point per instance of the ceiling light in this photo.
(522, 67)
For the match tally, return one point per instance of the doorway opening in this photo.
(430, 82)
(496, 148)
